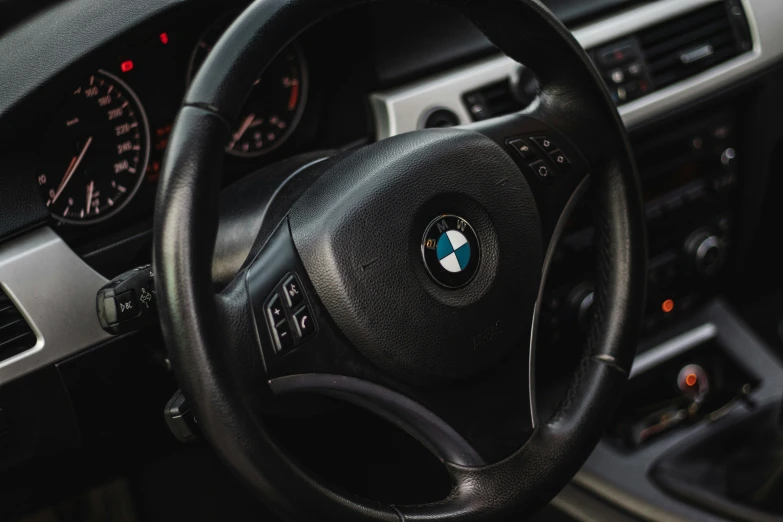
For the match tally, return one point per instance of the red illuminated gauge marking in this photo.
(275, 104)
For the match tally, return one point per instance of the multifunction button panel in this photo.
(288, 314)
(542, 155)
(624, 70)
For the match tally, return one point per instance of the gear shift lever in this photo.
(733, 468)
(757, 476)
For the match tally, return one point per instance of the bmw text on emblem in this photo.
(451, 251)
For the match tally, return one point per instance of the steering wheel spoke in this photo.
(293, 330)
(476, 421)
(549, 157)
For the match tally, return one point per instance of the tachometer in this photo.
(276, 102)
(96, 151)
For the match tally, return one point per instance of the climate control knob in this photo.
(707, 252)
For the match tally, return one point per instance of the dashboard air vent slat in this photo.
(672, 51)
(16, 336)
(680, 48)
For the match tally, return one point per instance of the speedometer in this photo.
(275, 105)
(97, 151)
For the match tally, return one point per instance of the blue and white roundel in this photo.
(453, 251)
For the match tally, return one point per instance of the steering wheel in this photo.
(405, 276)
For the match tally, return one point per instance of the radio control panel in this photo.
(690, 178)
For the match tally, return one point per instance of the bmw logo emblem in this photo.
(451, 251)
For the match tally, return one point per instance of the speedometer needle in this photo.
(71, 169)
(90, 188)
(242, 129)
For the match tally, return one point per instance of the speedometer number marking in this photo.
(93, 153)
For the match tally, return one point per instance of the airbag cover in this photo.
(359, 233)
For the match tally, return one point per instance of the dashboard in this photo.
(102, 127)
(85, 117)
(92, 138)
(85, 130)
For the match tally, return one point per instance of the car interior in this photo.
(392, 260)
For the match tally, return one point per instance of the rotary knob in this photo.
(707, 252)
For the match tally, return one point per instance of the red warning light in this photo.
(164, 38)
(667, 306)
(691, 379)
(126, 66)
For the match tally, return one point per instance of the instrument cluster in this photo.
(105, 142)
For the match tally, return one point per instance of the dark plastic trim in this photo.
(421, 423)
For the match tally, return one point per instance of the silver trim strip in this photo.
(672, 348)
(55, 291)
(399, 110)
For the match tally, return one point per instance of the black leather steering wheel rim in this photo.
(573, 96)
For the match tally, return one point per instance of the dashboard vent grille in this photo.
(684, 46)
(674, 50)
(490, 101)
(16, 336)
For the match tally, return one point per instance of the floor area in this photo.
(192, 485)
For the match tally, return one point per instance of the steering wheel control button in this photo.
(450, 250)
(546, 144)
(127, 306)
(522, 148)
(541, 170)
(284, 339)
(275, 310)
(560, 161)
(305, 326)
(287, 313)
(293, 291)
(128, 303)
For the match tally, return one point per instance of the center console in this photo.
(690, 181)
(745, 378)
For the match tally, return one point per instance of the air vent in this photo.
(682, 47)
(491, 100)
(674, 50)
(16, 336)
